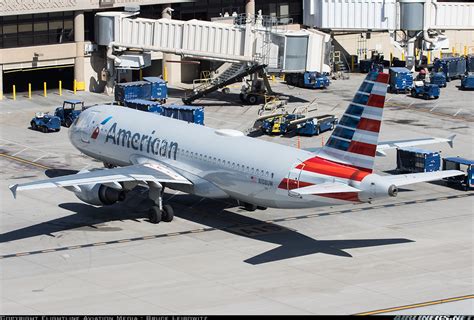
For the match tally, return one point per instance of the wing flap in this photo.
(141, 172)
(405, 179)
(327, 187)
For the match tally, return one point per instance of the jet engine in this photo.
(99, 194)
(374, 186)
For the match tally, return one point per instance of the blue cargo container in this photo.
(143, 105)
(467, 82)
(401, 79)
(417, 160)
(470, 63)
(185, 113)
(438, 78)
(159, 90)
(458, 163)
(452, 67)
(132, 90)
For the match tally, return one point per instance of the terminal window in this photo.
(36, 29)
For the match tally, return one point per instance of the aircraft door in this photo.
(293, 181)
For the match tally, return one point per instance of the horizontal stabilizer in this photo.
(327, 187)
(404, 179)
(387, 145)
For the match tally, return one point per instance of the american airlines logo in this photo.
(96, 131)
(148, 143)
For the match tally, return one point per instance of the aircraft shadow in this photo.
(211, 213)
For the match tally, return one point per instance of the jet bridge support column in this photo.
(79, 40)
(250, 7)
(172, 70)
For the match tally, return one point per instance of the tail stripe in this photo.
(372, 113)
(354, 141)
(362, 148)
(369, 125)
(365, 136)
(376, 101)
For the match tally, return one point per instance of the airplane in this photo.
(141, 148)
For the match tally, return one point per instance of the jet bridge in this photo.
(251, 42)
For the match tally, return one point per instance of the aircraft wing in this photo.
(404, 179)
(140, 172)
(386, 145)
(326, 187)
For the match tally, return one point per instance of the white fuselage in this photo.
(219, 163)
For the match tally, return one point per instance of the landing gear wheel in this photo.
(252, 99)
(155, 215)
(250, 207)
(167, 214)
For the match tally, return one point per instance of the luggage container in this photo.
(465, 181)
(401, 79)
(144, 105)
(470, 63)
(159, 89)
(185, 113)
(467, 82)
(452, 67)
(417, 160)
(132, 90)
(439, 79)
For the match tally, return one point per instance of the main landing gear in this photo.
(159, 212)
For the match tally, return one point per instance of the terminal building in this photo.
(55, 40)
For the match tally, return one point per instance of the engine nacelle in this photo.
(374, 186)
(99, 194)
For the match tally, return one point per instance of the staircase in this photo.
(233, 73)
(341, 67)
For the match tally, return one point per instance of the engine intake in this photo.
(99, 194)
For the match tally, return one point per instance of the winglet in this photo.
(13, 189)
(451, 140)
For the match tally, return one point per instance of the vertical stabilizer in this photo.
(354, 141)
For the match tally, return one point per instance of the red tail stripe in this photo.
(362, 148)
(376, 100)
(291, 184)
(334, 169)
(369, 125)
(383, 77)
(346, 196)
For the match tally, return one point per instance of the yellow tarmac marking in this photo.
(289, 219)
(149, 237)
(173, 234)
(74, 247)
(417, 305)
(198, 230)
(24, 161)
(100, 244)
(124, 240)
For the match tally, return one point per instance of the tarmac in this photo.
(412, 254)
